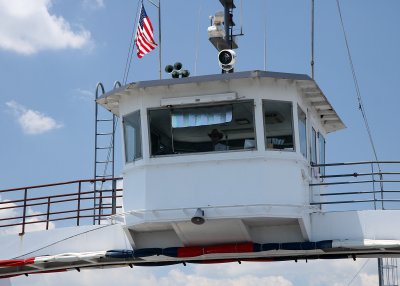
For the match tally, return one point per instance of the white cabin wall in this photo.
(254, 177)
(223, 183)
(356, 225)
(313, 121)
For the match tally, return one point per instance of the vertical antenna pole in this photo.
(312, 38)
(265, 36)
(159, 33)
(241, 17)
(226, 23)
(380, 271)
(159, 36)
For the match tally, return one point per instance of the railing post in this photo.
(381, 185)
(373, 183)
(24, 212)
(100, 206)
(79, 203)
(48, 212)
(114, 197)
(94, 199)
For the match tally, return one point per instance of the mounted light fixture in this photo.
(227, 60)
(169, 68)
(176, 70)
(198, 217)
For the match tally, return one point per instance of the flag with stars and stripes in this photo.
(144, 35)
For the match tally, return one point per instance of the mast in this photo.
(312, 38)
(159, 36)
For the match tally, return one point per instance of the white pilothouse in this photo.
(217, 168)
(254, 188)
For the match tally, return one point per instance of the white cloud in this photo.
(31, 121)
(177, 277)
(10, 210)
(314, 273)
(84, 94)
(369, 279)
(39, 226)
(93, 4)
(28, 27)
(145, 277)
(7, 210)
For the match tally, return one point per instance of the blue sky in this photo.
(53, 52)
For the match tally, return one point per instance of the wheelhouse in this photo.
(234, 145)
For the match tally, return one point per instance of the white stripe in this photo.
(142, 46)
(148, 37)
(365, 243)
(70, 257)
(147, 40)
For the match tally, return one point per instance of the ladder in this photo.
(387, 268)
(104, 155)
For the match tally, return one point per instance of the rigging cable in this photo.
(131, 48)
(361, 105)
(359, 99)
(61, 240)
(358, 272)
(364, 115)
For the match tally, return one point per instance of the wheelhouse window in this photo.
(278, 125)
(313, 151)
(224, 127)
(132, 136)
(321, 143)
(302, 119)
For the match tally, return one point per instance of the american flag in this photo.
(144, 35)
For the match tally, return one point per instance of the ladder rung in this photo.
(103, 148)
(104, 133)
(103, 162)
(104, 176)
(104, 120)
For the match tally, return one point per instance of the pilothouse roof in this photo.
(308, 87)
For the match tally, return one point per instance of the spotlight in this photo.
(178, 66)
(176, 70)
(169, 68)
(185, 73)
(175, 74)
(198, 217)
(227, 59)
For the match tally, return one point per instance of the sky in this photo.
(53, 53)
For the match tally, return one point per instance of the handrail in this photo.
(73, 205)
(56, 196)
(59, 184)
(360, 174)
(355, 163)
(332, 190)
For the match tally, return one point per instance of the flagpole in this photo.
(159, 34)
(312, 38)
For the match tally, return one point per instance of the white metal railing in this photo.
(359, 185)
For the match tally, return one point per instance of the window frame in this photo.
(251, 101)
(292, 125)
(313, 146)
(302, 148)
(322, 168)
(138, 133)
